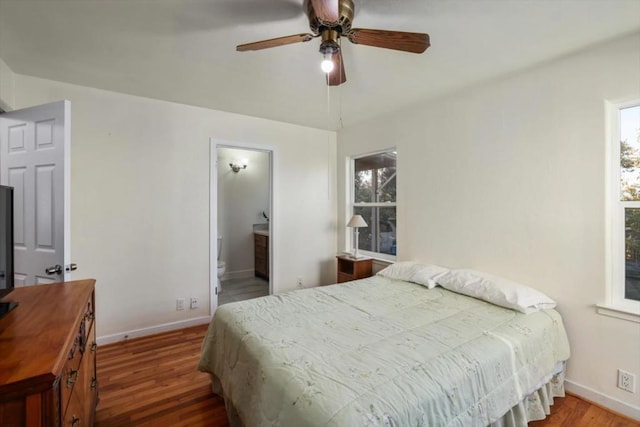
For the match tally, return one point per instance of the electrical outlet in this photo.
(300, 282)
(180, 304)
(626, 381)
(194, 302)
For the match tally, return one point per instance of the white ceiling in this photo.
(184, 50)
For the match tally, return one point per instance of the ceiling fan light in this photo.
(327, 64)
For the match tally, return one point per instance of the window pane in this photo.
(632, 253)
(380, 235)
(630, 153)
(375, 178)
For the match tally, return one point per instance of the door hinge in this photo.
(216, 290)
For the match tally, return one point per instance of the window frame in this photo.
(352, 205)
(616, 304)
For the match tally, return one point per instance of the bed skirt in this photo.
(534, 407)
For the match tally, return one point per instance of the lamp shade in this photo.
(357, 221)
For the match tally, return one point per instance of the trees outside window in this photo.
(626, 205)
(374, 198)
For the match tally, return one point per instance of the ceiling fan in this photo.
(331, 20)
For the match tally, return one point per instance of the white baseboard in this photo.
(611, 403)
(151, 330)
(239, 274)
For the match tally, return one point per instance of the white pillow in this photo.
(409, 271)
(495, 290)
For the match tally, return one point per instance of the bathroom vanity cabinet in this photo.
(261, 254)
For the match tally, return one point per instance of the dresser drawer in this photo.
(89, 317)
(89, 373)
(71, 371)
(74, 416)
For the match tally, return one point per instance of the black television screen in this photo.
(6, 246)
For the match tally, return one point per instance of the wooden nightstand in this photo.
(353, 269)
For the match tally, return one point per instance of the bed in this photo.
(383, 352)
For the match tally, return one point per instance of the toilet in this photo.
(222, 266)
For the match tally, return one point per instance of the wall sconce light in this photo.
(236, 167)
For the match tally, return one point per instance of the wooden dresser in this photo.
(48, 356)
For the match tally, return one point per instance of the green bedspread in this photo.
(379, 352)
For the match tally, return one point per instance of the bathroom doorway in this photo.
(241, 222)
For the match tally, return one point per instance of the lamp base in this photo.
(355, 254)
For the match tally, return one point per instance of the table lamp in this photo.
(356, 222)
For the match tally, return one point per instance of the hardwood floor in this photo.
(153, 381)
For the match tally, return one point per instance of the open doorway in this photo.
(241, 222)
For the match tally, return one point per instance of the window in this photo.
(625, 207)
(374, 198)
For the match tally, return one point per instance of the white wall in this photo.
(7, 87)
(509, 178)
(242, 197)
(140, 200)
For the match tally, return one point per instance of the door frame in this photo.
(214, 144)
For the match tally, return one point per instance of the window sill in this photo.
(618, 312)
(381, 262)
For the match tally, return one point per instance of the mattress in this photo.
(378, 352)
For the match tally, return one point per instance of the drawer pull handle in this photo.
(94, 383)
(72, 378)
(75, 420)
(94, 346)
(72, 352)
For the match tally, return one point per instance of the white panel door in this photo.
(34, 159)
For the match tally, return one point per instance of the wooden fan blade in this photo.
(397, 40)
(280, 41)
(326, 10)
(337, 76)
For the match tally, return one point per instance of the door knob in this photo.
(56, 269)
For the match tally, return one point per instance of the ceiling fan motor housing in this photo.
(329, 42)
(342, 25)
